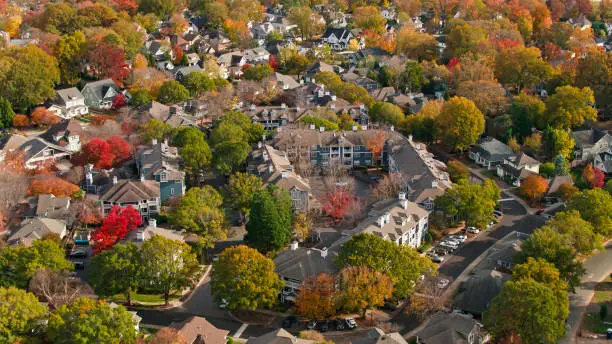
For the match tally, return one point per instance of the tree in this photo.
(594, 176)
(240, 191)
(115, 226)
(579, 233)
(302, 226)
(363, 288)
(257, 72)
(118, 102)
(167, 265)
(42, 117)
(7, 115)
(18, 264)
(416, 45)
(557, 142)
(55, 287)
(570, 106)
(402, 264)
(244, 279)
(567, 191)
(229, 156)
(369, 17)
(337, 203)
(116, 271)
(140, 61)
(52, 185)
(528, 309)
(21, 121)
(237, 31)
(161, 8)
(594, 70)
(200, 211)
(108, 62)
(308, 23)
(119, 148)
(140, 97)
(534, 187)
(98, 322)
(19, 313)
(526, 111)
(460, 123)
(154, 129)
(172, 92)
(463, 38)
(594, 206)
(130, 35)
(457, 171)
(489, 96)
(520, 67)
(168, 335)
(561, 166)
(267, 230)
(548, 244)
(29, 76)
(473, 203)
(197, 83)
(386, 113)
(196, 158)
(316, 297)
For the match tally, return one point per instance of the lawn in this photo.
(144, 298)
(603, 295)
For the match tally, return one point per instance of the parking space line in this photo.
(240, 331)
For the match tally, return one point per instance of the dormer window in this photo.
(163, 177)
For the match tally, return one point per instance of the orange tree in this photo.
(55, 186)
(317, 297)
(534, 187)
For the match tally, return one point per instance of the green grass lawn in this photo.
(145, 298)
(603, 295)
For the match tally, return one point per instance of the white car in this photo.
(473, 230)
(436, 259)
(443, 283)
(459, 237)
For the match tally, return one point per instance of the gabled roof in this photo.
(65, 128)
(11, 142)
(522, 160)
(69, 94)
(341, 33)
(280, 336)
(48, 205)
(36, 228)
(156, 110)
(382, 94)
(556, 182)
(587, 138)
(445, 328)
(99, 89)
(199, 330)
(159, 158)
(319, 67)
(492, 149)
(36, 145)
(128, 191)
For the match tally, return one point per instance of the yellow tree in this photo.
(362, 287)
(534, 187)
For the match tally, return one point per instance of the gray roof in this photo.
(378, 336)
(159, 158)
(97, 90)
(128, 191)
(557, 181)
(478, 291)
(444, 328)
(50, 206)
(37, 145)
(69, 94)
(36, 228)
(492, 149)
(187, 70)
(587, 138)
(65, 128)
(280, 336)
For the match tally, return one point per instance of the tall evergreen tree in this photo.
(268, 227)
(6, 113)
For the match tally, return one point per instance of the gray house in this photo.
(161, 163)
(490, 152)
(100, 94)
(69, 103)
(590, 143)
(143, 195)
(446, 328)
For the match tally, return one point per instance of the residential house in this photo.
(450, 328)
(48, 206)
(69, 103)
(143, 195)
(172, 115)
(262, 30)
(257, 55)
(591, 142)
(518, 167)
(476, 293)
(280, 336)
(603, 161)
(35, 229)
(37, 152)
(382, 94)
(580, 22)
(161, 163)
(141, 235)
(365, 82)
(274, 168)
(182, 72)
(552, 193)
(490, 152)
(197, 330)
(397, 220)
(274, 117)
(10, 144)
(338, 39)
(100, 94)
(284, 82)
(193, 59)
(378, 336)
(160, 49)
(316, 68)
(69, 134)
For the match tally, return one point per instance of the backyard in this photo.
(593, 322)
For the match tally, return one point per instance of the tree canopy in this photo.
(19, 311)
(459, 124)
(271, 215)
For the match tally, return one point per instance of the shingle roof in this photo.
(51, 206)
(131, 191)
(36, 228)
(198, 328)
(63, 129)
(280, 336)
(556, 182)
(587, 138)
(37, 145)
(160, 157)
(444, 328)
(69, 94)
(492, 149)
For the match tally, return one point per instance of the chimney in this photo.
(114, 180)
(404, 204)
(88, 178)
(283, 106)
(392, 128)
(153, 223)
(364, 127)
(312, 127)
(381, 221)
(294, 245)
(252, 107)
(172, 110)
(284, 174)
(333, 98)
(410, 138)
(259, 144)
(324, 253)
(297, 109)
(387, 217)
(154, 142)
(434, 184)
(271, 169)
(354, 128)
(321, 129)
(401, 196)
(142, 178)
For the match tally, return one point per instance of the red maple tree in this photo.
(130, 6)
(104, 154)
(115, 226)
(178, 54)
(119, 148)
(337, 203)
(118, 102)
(272, 62)
(594, 176)
(108, 62)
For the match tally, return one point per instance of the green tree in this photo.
(68, 51)
(473, 203)
(168, 265)
(28, 76)
(172, 92)
(274, 36)
(547, 170)
(579, 233)
(230, 156)
(200, 211)
(460, 123)
(240, 190)
(403, 265)
(526, 111)
(268, 228)
(196, 158)
(161, 8)
(308, 23)
(19, 312)
(253, 131)
(362, 288)
(570, 106)
(116, 271)
(258, 72)
(89, 321)
(595, 71)
(6, 113)
(520, 67)
(244, 279)
(528, 309)
(463, 38)
(594, 206)
(557, 142)
(154, 129)
(198, 83)
(131, 37)
(384, 112)
(411, 79)
(19, 263)
(457, 171)
(561, 166)
(140, 97)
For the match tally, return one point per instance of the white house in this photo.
(338, 39)
(69, 103)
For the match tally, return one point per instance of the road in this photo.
(597, 268)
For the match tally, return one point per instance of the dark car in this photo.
(540, 211)
(78, 254)
(289, 321)
(311, 324)
(339, 324)
(79, 266)
(323, 326)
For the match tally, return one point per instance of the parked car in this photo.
(436, 259)
(459, 237)
(323, 326)
(338, 324)
(449, 242)
(473, 230)
(311, 324)
(498, 213)
(289, 321)
(448, 248)
(443, 283)
(440, 251)
(350, 323)
(223, 304)
(540, 211)
(78, 254)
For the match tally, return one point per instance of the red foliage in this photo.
(505, 43)
(336, 204)
(178, 54)
(119, 148)
(453, 63)
(115, 226)
(130, 6)
(551, 51)
(55, 186)
(128, 126)
(104, 154)
(594, 176)
(272, 62)
(119, 102)
(246, 66)
(108, 62)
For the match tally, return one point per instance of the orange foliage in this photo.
(534, 186)
(53, 185)
(317, 297)
(43, 118)
(375, 145)
(21, 121)
(236, 30)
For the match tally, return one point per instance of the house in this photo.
(193, 59)
(172, 115)
(476, 293)
(10, 144)
(273, 117)
(338, 39)
(69, 103)
(274, 168)
(35, 229)
(159, 49)
(591, 142)
(382, 94)
(490, 152)
(365, 82)
(397, 220)
(69, 134)
(603, 161)
(37, 152)
(182, 72)
(49, 206)
(197, 330)
(261, 31)
(580, 22)
(378, 336)
(449, 328)
(143, 195)
(100, 94)
(257, 55)
(136, 319)
(284, 82)
(518, 167)
(141, 235)
(161, 163)
(316, 68)
(280, 336)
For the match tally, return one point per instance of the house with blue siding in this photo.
(161, 163)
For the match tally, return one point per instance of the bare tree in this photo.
(388, 187)
(13, 189)
(428, 297)
(57, 288)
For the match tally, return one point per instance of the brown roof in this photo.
(556, 182)
(131, 191)
(199, 330)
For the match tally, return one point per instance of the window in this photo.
(163, 177)
(172, 191)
